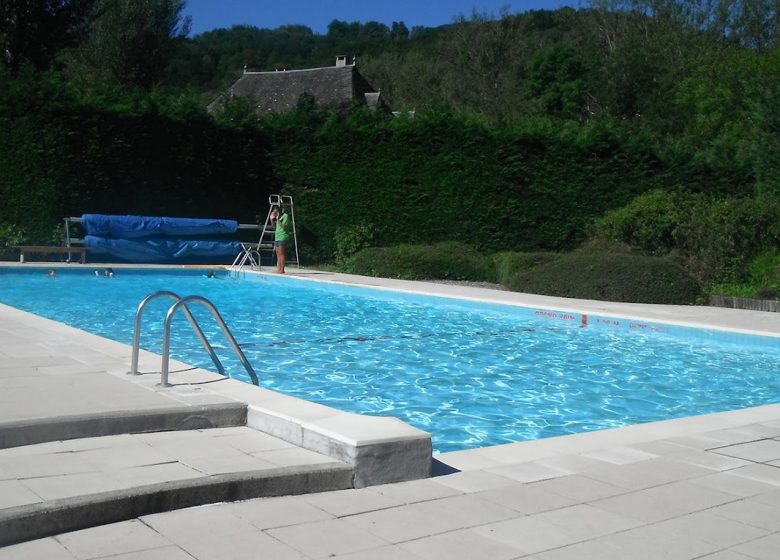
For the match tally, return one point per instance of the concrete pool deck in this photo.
(698, 487)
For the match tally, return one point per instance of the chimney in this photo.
(341, 60)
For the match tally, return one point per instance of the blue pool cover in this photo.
(154, 250)
(146, 239)
(130, 227)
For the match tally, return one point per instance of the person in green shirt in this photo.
(282, 220)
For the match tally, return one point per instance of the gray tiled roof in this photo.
(331, 87)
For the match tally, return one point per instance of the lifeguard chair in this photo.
(252, 253)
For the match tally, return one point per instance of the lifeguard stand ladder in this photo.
(251, 253)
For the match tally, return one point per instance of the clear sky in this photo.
(316, 14)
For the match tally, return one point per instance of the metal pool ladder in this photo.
(181, 303)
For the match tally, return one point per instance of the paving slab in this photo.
(282, 512)
(325, 539)
(362, 500)
(761, 549)
(56, 486)
(117, 538)
(462, 544)
(714, 529)
(749, 512)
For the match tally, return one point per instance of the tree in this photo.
(556, 80)
(338, 29)
(399, 31)
(766, 114)
(487, 55)
(130, 42)
(34, 31)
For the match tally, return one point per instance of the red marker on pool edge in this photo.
(584, 320)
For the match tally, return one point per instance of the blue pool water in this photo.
(472, 374)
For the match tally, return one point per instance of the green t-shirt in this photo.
(282, 228)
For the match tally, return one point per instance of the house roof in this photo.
(331, 87)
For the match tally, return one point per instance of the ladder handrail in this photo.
(295, 236)
(182, 304)
(187, 314)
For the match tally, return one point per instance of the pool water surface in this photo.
(473, 374)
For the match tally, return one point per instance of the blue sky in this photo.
(316, 14)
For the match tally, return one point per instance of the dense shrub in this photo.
(613, 277)
(765, 269)
(351, 239)
(587, 275)
(652, 221)
(721, 237)
(763, 278)
(440, 261)
(508, 264)
(715, 238)
(10, 235)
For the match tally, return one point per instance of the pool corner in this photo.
(380, 449)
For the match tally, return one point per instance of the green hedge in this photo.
(440, 261)
(654, 221)
(611, 277)
(508, 264)
(586, 275)
(441, 177)
(59, 158)
(93, 162)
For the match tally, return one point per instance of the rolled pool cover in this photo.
(132, 227)
(155, 250)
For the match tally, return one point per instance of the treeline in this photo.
(211, 61)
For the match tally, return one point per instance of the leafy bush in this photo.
(349, 240)
(741, 289)
(613, 277)
(10, 235)
(765, 268)
(763, 280)
(441, 261)
(651, 222)
(716, 238)
(723, 236)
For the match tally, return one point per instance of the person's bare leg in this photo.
(281, 259)
(278, 250)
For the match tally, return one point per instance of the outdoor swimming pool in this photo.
(473, 374)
